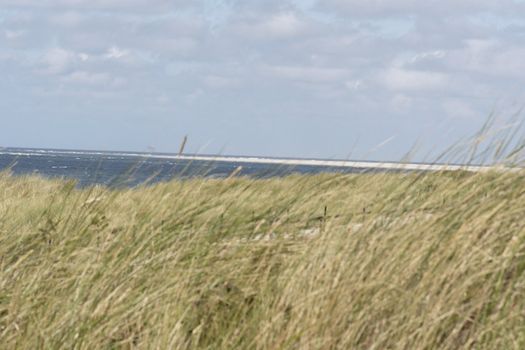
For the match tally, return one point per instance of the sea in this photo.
(128, 169)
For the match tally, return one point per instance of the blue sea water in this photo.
(131, 169)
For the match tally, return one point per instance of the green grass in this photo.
(395, 261)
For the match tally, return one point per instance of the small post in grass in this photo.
(183, 144)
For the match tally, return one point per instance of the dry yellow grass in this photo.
(395, 261)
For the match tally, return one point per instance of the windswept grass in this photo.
(377, 261)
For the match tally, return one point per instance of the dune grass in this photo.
(369, 261)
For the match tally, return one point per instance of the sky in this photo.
(292, 78)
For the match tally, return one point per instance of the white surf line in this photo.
(337, 163)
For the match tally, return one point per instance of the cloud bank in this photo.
(283, 78)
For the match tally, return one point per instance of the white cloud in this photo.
(457, 108)
(403, 79)
(425, 56)
(87, 78)
(428, 8)
(280, 25)
(220, 82)
(491, 57)
(308, 74)
(116, 53)
(147, 5)
(176, 46)
(354, 84)
(401, 103)
(68, 18)
(13, 34)
(57, 60)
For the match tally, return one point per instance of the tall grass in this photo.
(369, 261)
(366, 261)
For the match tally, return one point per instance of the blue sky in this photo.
(294, 78)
